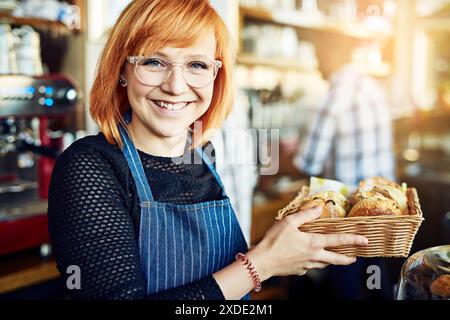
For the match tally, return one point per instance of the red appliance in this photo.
(33, 114)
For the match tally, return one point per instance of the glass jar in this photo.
(426, 275)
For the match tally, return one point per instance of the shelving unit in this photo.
(36, 23)
(353, 30)
(266, 16)
(48, 24)
(276, 61)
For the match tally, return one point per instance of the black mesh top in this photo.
(93, 211)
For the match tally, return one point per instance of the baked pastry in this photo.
(395, 194)
(441, 286)
(358, 196)
(383, 187)
(373, 204)
(334, 204)
(369, 183)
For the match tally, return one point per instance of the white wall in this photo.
(229, 11)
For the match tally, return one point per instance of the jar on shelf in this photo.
(426, 275)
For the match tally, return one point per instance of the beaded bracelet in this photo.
(251, 269)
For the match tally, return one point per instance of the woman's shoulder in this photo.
(93, 143)
(92, 150)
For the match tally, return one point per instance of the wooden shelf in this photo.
(379, 71)
(36, 23)
(352, 30)
(278, 63)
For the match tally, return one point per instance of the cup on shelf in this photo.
(7, 54)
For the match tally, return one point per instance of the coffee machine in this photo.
(33, 114)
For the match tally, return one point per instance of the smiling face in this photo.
(168, 110)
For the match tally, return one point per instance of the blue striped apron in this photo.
(179, 244)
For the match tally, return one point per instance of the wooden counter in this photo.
(25, 269)
(263, 216)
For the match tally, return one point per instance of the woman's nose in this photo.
(175, 84)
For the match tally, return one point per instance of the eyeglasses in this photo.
(154, 71)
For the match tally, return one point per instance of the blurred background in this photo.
(287, 52)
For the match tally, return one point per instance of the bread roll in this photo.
(382, 187)
(359, 195)
(395, 194)
(374, 205)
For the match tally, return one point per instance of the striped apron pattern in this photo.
(179, 244)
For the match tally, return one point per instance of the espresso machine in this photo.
(33, 114)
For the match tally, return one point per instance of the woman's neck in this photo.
(156, 145)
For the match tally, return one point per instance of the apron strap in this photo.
(135, 165)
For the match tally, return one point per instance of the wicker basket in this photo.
(389, 236)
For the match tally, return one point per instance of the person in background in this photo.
(349, 139)
(139, 208)
(350, 135)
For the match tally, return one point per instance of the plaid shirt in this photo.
(350, 136)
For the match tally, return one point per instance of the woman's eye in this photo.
(198, 65)
(154, 63)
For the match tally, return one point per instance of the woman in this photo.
(128, 209)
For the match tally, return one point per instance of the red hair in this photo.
(146, 26)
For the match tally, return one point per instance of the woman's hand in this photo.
(285, 250)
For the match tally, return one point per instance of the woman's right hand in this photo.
(285, 250)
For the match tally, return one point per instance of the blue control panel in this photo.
(34, 96)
